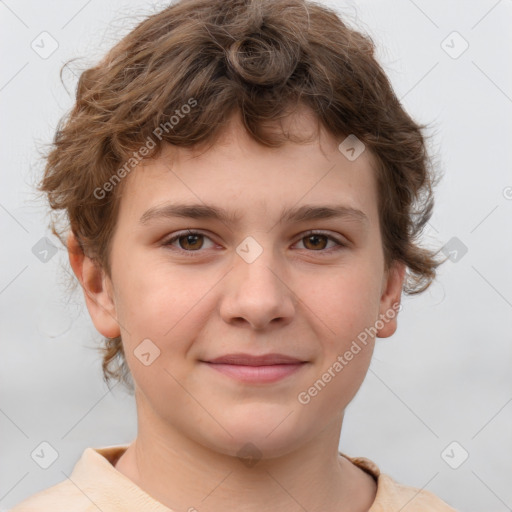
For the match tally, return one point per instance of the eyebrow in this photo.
(299, 214)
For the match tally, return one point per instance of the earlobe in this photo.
(97, 289)
(390, 300)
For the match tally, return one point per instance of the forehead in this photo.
(245, 178)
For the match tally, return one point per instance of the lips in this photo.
(250, 360)
(250, 369)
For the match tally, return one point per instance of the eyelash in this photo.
(322, 252)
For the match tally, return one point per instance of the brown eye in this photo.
(315, 241)
(190, 242)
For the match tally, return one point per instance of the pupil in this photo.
(190, 239)
(315, 239)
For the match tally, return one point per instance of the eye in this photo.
(188, 241)
(316, 241)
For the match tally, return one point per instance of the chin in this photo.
(265, 432)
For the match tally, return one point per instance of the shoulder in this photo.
(62, 497)
(93, 483)
(417, 500)
(392, 495)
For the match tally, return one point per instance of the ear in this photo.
(390, 299)
(97, 288)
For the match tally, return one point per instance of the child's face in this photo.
(300, 297)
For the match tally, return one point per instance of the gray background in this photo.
(443, 377)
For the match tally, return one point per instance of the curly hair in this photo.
(180, 74)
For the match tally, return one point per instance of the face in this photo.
(187, 288)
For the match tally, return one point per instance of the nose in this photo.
(258, 294)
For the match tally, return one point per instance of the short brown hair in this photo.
(261, 59)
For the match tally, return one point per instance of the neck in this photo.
(185, 475)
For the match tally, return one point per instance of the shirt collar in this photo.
(111, 491)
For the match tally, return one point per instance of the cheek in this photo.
(346, 300)
(163, 304)
(161, 308)
(345, 310)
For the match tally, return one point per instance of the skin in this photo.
(192, 420)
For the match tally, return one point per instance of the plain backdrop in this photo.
(435, 410)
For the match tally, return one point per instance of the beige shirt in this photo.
(95, 484)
